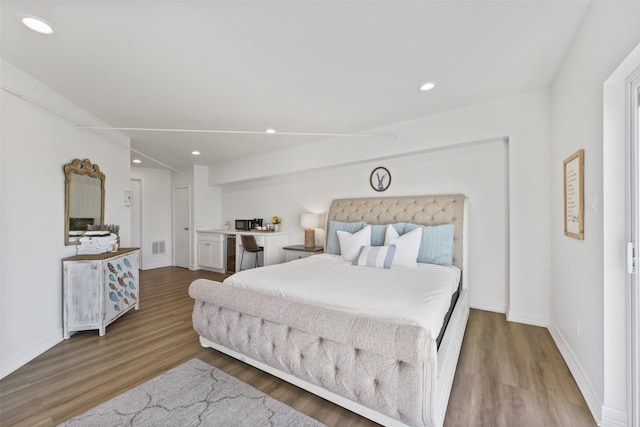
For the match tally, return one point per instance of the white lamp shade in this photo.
(310, 220)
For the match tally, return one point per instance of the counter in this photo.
(213, 251)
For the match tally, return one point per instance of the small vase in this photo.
(276, 227)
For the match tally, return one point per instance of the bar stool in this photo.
(249, 244)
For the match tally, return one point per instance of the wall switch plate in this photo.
(593, 202)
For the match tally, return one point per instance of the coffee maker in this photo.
(255, 223)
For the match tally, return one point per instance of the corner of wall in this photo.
(579, 374)
(28, 354)
(527, 318)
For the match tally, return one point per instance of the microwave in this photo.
(248, 224)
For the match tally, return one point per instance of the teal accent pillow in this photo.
(333, 245)
(436, 246)
(377, 234)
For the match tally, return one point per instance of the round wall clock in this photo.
(380, 179)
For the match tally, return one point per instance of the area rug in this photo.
(193, 394)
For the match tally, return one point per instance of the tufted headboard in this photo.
(423, 210)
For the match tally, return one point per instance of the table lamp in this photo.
(309, 221)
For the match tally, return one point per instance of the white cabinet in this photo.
(211, 250)
(97, 289)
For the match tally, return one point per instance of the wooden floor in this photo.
(508, 374)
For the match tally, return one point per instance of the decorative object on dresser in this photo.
(97, 289)
(84, 198)
(99, 239)
(301, 251)
(310, 221)
(380, 178)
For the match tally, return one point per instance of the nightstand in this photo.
(301, 251)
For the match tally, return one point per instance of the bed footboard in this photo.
(383, 366)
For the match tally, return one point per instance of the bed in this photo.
(378, 360)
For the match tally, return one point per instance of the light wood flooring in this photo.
(508, 374)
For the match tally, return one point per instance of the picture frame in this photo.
(573, 175)
(380, 178)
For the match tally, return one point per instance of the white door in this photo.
(181, 226)
(135, 204)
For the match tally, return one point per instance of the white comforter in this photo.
(416, 296)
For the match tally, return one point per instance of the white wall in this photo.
(479, 171)
(608, 33)
(207, 209)
(156, 215)
(35, 144)
(523, 119)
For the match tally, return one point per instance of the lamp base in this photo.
(309, 238)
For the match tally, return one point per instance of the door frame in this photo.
(140, 207)
(173, 228)
(617, 216)
(633, 234)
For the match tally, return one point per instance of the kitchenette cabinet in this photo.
(212, 250)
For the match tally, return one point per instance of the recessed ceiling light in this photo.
(427, 86)
(270, 131)
(195, 153)
(37, 24)
(137, 161)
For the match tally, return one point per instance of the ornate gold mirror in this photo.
(84, 198)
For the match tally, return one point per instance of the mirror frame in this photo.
(80, 167)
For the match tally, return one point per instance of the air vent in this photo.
(158, 247)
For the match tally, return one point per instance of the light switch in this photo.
(593, 202)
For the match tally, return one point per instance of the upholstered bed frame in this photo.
(390, 373)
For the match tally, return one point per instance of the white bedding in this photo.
(415, 296)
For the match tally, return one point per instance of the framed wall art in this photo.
(380, 178)
(573, 172)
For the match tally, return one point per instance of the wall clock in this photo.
(380, 179)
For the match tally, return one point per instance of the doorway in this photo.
(182, 226)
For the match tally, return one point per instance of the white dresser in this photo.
(97, 289)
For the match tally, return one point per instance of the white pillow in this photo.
(376, 256)
(407, 246)
(350, 244)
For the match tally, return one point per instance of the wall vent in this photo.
(158, 247)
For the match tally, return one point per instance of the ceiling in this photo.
(294, 66)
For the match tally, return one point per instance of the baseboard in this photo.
(613, 418)
(156, 264)
(513, 316)
(8, 366)
(582, 379)
(490, 308)
(528, 319)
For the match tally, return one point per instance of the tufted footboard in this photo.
(386, 367)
